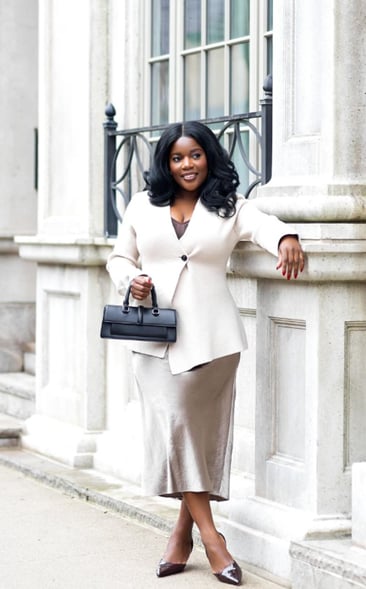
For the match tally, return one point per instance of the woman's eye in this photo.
(196, 156)
(175, 159)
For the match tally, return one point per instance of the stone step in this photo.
(328, 564)
(17, 394)
(10, 431)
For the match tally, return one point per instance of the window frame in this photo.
(258, 35)
(257, 39)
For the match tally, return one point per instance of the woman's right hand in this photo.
(141, 287)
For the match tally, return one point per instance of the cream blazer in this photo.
(189, 273)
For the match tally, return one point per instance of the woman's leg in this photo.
(180, 542)
(199, 507)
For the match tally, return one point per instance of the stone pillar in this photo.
(319, 112)
(18, 200)
(310, 406)
(68, 248)
(310, 409)
(119, 448)
(359, 504)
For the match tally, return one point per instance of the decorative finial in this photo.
(268, 84)
(110, 111)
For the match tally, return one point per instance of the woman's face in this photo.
(188, 165)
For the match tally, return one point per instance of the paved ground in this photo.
(50, 539)
(66, 528)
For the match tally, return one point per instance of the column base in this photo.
(67, 443)
(329, 564)
(119, 450)
(264, 531)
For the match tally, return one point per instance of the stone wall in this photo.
(18, 197)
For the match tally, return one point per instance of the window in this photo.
(269, 37)
(225, 58)
(159, 62)
(207, 58)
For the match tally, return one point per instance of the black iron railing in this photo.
(127, 153)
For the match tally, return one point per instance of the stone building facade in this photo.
(298, 481)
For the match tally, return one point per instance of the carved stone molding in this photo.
(337, 558)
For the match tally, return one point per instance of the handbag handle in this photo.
(154, 300)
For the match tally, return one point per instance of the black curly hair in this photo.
(218, 193)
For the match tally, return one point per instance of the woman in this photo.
(178, 236)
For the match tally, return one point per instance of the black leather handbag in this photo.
(139, 323)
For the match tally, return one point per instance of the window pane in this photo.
(239, 18)
(269, 36)
(239, 162)
(239, 74)
(215, 83)
(192, 23)
(269, 15)
(192, 87)
(160, 28)
(269, 55)
(159, 94)
(215, 21)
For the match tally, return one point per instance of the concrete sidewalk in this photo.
(63, 528)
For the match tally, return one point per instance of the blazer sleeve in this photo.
(123, 262)
(261, 228)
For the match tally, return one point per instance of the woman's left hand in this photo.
(291, 257)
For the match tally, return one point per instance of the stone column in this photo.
(68, 248)
(18, 200)
(310, 409)
(358, 504)
(319, 112)
(119, 448)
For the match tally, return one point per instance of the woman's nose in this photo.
(186, 162)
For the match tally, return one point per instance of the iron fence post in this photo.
(110, 125)
(266, 108)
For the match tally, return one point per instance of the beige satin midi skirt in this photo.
(187, 425)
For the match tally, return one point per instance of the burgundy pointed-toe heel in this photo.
(232, 573)
(164, 568)
(169, 568)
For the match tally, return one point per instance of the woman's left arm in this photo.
(278, 238)
(291, 259)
